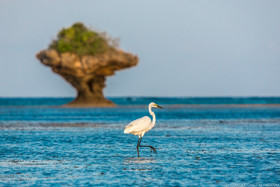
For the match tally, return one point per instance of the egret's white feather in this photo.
(139, 126)
(142, 125)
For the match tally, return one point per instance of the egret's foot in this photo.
(153, 149)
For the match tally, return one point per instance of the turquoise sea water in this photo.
(199, 141)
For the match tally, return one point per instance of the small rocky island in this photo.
(84, 58)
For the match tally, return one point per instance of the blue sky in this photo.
(186, 48)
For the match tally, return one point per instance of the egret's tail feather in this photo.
(126, 131)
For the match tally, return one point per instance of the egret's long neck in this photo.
(154, 117)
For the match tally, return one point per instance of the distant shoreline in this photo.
(226, 105)
(185, 106)
(144, 101)
(166, 106)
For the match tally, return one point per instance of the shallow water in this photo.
(202, 145)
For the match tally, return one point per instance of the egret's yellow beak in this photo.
(159, 106)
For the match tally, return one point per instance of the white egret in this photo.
(142, 125)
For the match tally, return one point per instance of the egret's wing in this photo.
(138, 125)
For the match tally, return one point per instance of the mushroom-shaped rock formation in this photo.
(86, 70)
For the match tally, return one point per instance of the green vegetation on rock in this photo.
(80, 40)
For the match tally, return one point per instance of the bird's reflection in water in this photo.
(138, 163)
(138, 160)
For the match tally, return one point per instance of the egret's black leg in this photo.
(154, 150)
(140, 140)
(138, 144)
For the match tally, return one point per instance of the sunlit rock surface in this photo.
(88, 73)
